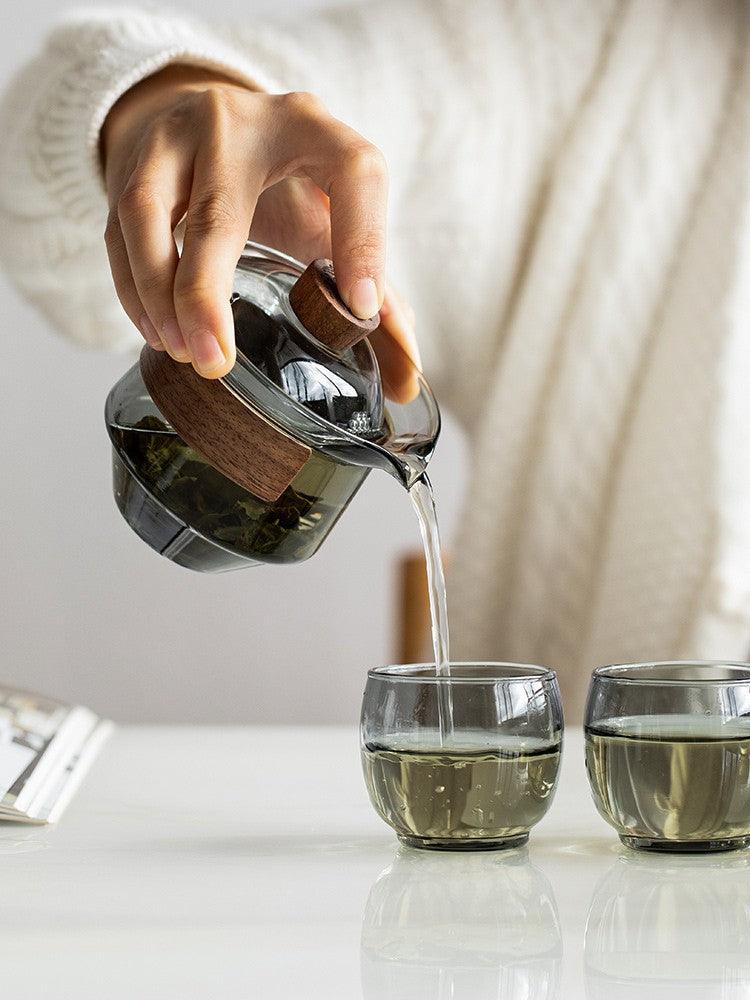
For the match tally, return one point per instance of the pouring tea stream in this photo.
(259, 465)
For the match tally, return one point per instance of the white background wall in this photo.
(89, 613)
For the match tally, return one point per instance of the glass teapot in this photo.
(257, 467)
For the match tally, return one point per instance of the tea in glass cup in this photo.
(668, 753)
(483, 781)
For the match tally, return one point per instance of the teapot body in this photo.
(192, 514)
(257, 467)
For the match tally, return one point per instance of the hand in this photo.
(233, 163)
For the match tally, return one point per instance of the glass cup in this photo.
(668, 753)
(479, 780)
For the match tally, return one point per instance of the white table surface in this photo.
(247, 863)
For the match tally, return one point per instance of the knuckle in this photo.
(214, 98)
(151, 285)
(158, 138)
(192, 283)
(112, 232)
(212, 212)
(175, 120)
(194, 295)
(138, 199)
(301, 103)
(365, 160)
(366, 248)
(219, 106)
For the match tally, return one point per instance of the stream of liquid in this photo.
(423, 499)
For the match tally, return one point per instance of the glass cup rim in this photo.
(407, 673)
(616, 673)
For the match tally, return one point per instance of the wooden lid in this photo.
(317, 304)
(236, 440)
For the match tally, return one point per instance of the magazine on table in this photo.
(46, 748)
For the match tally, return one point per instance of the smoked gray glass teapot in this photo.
(258, 466)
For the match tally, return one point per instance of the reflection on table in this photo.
(461, 927)
(663, 928)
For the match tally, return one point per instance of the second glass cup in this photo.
(483, 781)
(668, 753)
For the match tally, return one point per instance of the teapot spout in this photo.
(407, 469)
(407, 450)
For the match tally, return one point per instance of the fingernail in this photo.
(174, 340)
(149, 332)
(207, 354)
(363, 298)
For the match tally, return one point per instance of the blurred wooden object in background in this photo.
(413, 617)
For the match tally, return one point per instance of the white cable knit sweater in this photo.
(569, 215)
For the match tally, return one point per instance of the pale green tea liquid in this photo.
(679, 782)
(461, 793)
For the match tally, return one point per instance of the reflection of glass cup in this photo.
(481, 784)
(668, 753)
(677, 930)
(461, 927)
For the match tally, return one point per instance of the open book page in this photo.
(62, 782)
(45, 747)
(28, 723)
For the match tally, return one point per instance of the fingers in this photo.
(398, 320)
(358, 193)
(294, 216)
(395, 345)
(122, 276)
(353, 173)
(223, 148)
(218, 220)
(139, 236)
(183, 303)
(146, 211)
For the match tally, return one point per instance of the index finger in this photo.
(216, 229)
(353, 173)
(359, 193)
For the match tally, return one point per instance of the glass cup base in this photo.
(685, 846)
(464, 844)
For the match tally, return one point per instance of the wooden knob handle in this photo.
(319, 307)
(238, 442)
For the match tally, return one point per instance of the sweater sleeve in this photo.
(52, 201)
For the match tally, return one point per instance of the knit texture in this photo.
(569, 215)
